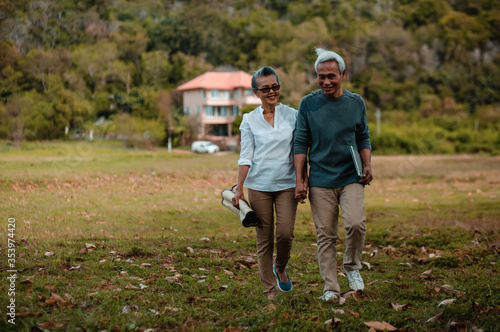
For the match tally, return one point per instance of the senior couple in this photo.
(276, 144)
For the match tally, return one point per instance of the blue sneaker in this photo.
(283, 286)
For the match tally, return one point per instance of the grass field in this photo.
(108, 238)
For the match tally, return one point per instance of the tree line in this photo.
(112, 66)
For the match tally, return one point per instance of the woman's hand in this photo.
(237, 196)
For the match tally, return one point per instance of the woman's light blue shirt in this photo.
(267, 150)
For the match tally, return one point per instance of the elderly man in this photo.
(330, 121)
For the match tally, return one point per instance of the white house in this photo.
(216, 99)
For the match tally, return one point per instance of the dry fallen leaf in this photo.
(171, 310)
(130, 286)
(339, 311)
(446, 302)
(447, 287)
(172, 279)
(334, 320)
(196, 299)
(380, 326)
(69, 298)
(353, 313)
(246, 260)
(270, 306)
(433, 319)
(355, 295)
(57, 300)
(28, 314)
(50, 325)
(49, 254)
(314, 318)
(49, 287)
(368, 265)
(398, 307)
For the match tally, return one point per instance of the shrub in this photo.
(138, 132)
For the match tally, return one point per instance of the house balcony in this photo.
(221, 102)
(218, 119)
(251, 100)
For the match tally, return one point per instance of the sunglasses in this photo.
(266, 90)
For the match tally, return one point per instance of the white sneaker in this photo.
(355, 281)
(328, 295)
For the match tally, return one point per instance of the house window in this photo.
(204, 93)
(186, 110)
(198, 109)
(223, 111)
(234, 111)
(237, 93)
(215, 94)
(249, 92)
(209, 111)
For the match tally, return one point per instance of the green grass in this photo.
(139, 212)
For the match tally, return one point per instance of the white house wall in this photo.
(195, 103)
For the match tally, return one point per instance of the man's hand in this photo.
(366, 156)
(301, 191)
(367, 176)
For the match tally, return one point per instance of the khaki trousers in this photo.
(264, 204)
(325, 204)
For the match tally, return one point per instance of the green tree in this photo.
(13, 118)
(47, 66)
(95, 61)
(156, 68)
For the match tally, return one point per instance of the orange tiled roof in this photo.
(219, 81)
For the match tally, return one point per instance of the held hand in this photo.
(301, 191)
(367, 176)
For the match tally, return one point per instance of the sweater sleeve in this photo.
(302, 131)
(362, 130)
(247, 142)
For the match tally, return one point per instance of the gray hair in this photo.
(264, 71)
(325, 55)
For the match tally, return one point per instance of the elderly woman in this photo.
(266, 169)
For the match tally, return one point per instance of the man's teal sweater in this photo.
(327, 126)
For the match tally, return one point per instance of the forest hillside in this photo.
(430, 66)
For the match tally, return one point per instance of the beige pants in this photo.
(264, 204)
(325, 204)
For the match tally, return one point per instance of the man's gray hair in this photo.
(325, 55)
(264, 71)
